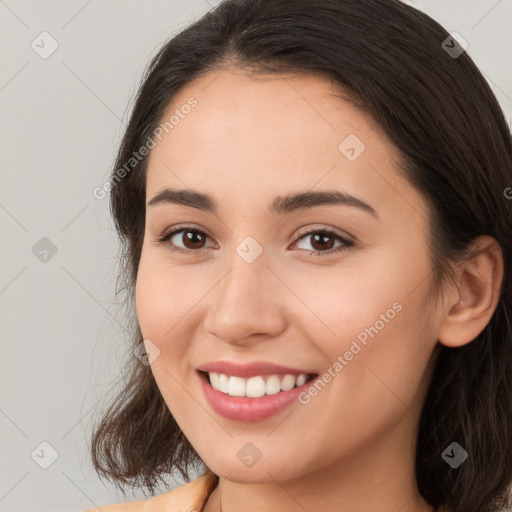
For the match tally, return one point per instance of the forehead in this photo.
(256, 137)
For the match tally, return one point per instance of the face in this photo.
(332, 290)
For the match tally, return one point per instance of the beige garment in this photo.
(190, 497)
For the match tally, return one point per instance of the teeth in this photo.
(255, 387)
(236, 386)
(288, 383)
(273, 385)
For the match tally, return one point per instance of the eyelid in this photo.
(308, 230)
(182, 227)
(347, 240)
(301, 231)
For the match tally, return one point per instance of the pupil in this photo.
(319, 237)
(190, 235)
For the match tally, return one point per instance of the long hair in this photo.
(456, 148)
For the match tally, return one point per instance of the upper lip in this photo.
(250, 369)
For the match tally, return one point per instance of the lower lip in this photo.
(241, 408)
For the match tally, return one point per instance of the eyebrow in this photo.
(280, 204)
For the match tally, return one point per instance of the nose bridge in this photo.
(244, 285)
(245, 301)
(248, 270)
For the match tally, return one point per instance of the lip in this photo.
(246, 409)
(250, 369)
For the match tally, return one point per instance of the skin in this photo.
(351, 448)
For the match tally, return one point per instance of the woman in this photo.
(312, 201)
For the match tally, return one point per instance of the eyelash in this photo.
(347, 244)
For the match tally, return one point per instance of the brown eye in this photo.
(320, 241)
(193, 240)
(323, 242)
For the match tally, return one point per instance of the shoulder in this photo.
(192, 495)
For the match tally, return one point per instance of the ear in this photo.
(470, 306)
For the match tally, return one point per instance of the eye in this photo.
(193, 240)
(322, 240)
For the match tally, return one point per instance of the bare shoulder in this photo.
(192, 495)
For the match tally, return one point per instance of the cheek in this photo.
(339, 303)
(374, 317)
(148, 301)
(167, 300)
(385, 360)
(162, 307)
(155, 301)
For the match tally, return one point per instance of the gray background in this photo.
(62, 117)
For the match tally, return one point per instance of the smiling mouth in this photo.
(257, 386)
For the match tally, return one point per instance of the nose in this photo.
(248, 301)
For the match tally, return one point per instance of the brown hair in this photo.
(457, 150)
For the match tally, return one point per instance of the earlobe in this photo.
(472, 305)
